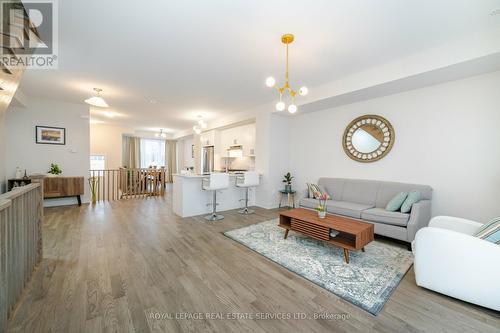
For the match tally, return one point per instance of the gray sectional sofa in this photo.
(366, 200)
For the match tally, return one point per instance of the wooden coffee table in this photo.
(353, 234)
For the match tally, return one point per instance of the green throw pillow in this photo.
(396, 202)
(413, 198)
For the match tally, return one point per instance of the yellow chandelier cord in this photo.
(286, 71)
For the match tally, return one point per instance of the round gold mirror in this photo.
(368, 138)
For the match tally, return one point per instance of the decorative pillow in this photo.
(322, 190)
(396, 202)
(313, 188)
(310, 189)
(412, 198)
(490, 231)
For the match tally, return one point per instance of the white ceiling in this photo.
(212, 57)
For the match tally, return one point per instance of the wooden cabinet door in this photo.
(56, 187)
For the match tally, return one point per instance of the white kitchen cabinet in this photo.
(243, 135)
(207, 138)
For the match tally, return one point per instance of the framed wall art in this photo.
(50, 135)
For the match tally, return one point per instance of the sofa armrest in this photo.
(456, 224)
(458, 265)
(419, 217)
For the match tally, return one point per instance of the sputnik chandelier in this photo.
(200, 124)
(162, 134)
(271, 82)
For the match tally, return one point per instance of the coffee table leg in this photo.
(346, 255)
(286, 233)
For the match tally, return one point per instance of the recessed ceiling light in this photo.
(495, 12)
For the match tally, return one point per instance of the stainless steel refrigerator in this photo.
(207, 156)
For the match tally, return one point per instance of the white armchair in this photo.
(449, 260)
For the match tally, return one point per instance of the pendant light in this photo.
(97, 100)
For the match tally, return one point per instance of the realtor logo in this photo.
(29, 34)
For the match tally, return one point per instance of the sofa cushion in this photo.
(308, 203)
(333, 186)
(383, 216)
(361, 191)
(350, 209)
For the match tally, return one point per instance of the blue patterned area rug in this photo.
(367, 281)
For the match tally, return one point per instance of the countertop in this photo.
(195, 175)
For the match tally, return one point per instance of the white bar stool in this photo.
(249, 179)
(216, 181)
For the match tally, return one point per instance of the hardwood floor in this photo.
(115, 266)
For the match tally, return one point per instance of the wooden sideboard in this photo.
(62, 187)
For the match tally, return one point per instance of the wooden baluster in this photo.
(134, 183)
(132, 173)
(119, 182)
(145, 185)
(103, 185)
(99, 179)
(151, 184)
(164, 182)
(144, 181)
(149, 181)
(109, 187)
(99, 182)
(155, 182)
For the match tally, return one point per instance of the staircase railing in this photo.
(117, 184)
(21, 215)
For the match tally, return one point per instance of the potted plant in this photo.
(93, 182)
(55, 170)
(287, 179)
(321, 209)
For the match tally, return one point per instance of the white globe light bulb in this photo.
(203, 124)
(280, 106)
(270, 82)
(303, 91)
(156, 134)
(292, 108)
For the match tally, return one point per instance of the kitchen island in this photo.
(189, 199)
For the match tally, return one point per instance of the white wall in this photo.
(107, 140)
(271, 155)
(447, 136)
(22, 151)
